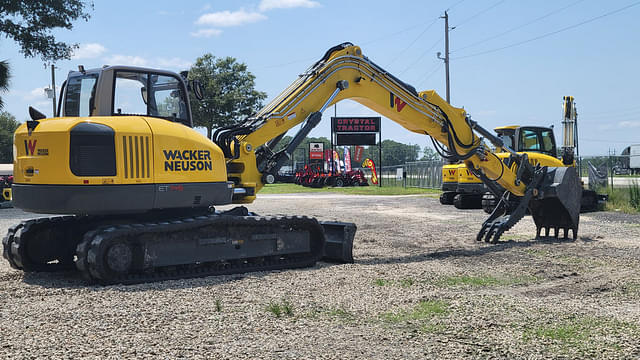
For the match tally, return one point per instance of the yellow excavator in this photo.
(138, 184)
(469, 192)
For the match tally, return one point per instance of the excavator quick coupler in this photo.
(552, 196)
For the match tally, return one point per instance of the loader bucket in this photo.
(557, 204)
(338, 245)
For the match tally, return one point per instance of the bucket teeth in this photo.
(556, 232)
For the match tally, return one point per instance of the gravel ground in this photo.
(420, 287)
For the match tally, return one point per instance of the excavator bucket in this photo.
(557, 204)
(338, 246)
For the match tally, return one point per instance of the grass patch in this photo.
(218, 305)
(341, 314)
(424, 310)
(353, 190)
(279, 309)
(405, 283)
(486, 280)
(584, 335)
(537, 252)
(624, 199)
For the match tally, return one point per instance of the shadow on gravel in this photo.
(74, 280)
(480, 251)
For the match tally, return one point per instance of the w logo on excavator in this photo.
(30, 147)
(396, 102)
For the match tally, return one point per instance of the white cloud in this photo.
(206, 33)
(286, 4)
(35, 94)
(127, 60)
(174, 63)
(629, 124)
(230, 18)
(88, 51)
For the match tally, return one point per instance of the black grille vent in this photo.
(135, 150)
(92, 150)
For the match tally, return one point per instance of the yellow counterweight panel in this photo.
(465, 176)
(450, 173)
(183, 155)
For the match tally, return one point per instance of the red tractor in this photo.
(348, 178)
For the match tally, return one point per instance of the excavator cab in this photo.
(125, 91)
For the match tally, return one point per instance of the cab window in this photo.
(529, 140)
(149, 94)
(538, 140)
(79, 94)
(548, 142)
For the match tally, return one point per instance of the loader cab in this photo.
(125, 91)
(529, 139)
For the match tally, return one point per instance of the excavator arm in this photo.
(345, 73)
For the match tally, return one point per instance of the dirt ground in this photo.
(420, 287)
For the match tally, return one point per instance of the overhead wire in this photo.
(553, 12)
(420, 57)
(413, 42)
(549, 33)
(430, 74)
(479, 13)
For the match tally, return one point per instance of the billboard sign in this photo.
(316, 151)
(370, 124)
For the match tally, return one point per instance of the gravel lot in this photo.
(421, 287)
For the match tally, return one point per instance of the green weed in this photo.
(218, 305)
(486, 280)
(424, 310)
(278, 309)
(584, 335)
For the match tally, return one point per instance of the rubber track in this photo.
(15, 243)
(91, 250)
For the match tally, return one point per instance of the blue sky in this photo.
(521, 82)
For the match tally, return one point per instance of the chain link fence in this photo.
(418, 174)
(609, 171)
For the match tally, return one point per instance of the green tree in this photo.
(395, 153)
(8, 126)
(4, 80)
(30, 23)
(229, 92)
(428, 154)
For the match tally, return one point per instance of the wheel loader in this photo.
(136, 185)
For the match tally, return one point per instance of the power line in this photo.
(413, 42)
(430, 74)
(519, 27)
(550, 33)
(454, 5)
(393, 34)
(421, 56)
(480, 13)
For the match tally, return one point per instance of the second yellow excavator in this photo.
(140, 183)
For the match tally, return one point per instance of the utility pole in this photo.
(446, 52)
(53, 86)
